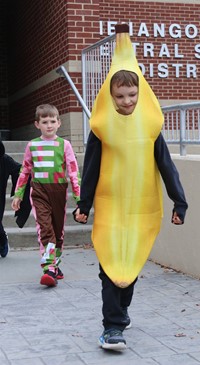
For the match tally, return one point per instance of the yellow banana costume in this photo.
(128, 197)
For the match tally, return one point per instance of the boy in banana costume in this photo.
(125, 156)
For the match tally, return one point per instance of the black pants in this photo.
(114, 299)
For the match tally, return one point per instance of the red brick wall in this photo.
(44, 38)
(45, 34)
(39, 42)
(82, 25)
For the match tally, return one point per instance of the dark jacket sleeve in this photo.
(13, 168)
(25, 207)
(90, 175)
(170, 177)
(10, 167)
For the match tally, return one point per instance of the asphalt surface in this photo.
(61, 325)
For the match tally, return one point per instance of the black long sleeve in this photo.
(90, 175)
(13, 168)
(170, 177)
(8, 167)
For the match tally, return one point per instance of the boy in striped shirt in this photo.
(49, 159)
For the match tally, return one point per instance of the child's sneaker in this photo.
(59, 274)
(4, 248)
(48, 279)
(127, 319)
(112, 339)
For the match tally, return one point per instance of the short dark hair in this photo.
(124, 78)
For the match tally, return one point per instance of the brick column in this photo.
(82, 31)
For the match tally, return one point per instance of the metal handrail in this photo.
(183, 106)
(97, 71)
(63, 72)
(182, 124)
(99, 43)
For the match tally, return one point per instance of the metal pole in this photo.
(62, 71)
(85, 118)
(182, 132)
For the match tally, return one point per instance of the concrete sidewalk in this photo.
(58, 326)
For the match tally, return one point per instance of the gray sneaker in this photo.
(112, 339)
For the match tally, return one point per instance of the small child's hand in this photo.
(176, 219)
(16, 203)
(81, 218)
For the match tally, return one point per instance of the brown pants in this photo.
(49, 209)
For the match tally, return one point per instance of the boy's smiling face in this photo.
(125, 98)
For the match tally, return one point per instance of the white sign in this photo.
(159, 50)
